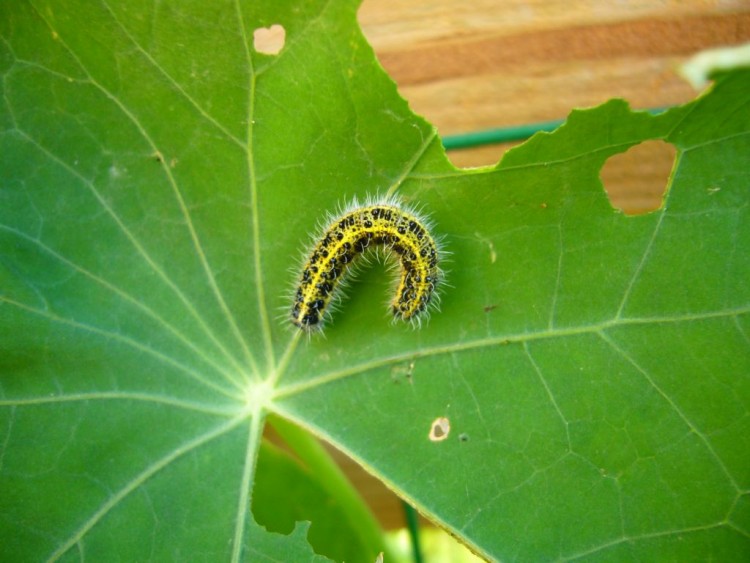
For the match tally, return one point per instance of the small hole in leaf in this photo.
(269, 40)
(636, 180)
(440, 429)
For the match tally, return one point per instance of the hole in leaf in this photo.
(440, 429)
(636, 180)
(269, 40)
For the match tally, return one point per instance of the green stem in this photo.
(506, 134)
(412, 523)
(490, 136)
(315, 457)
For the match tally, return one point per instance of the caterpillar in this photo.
(380, 223)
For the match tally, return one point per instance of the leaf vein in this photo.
(673, 405)
(296, 388)
(169, 77)
(120, 396)
(253, 186)
(130, 342)
(140, 249)
(195, 239)
(129, 299)
(141, 479)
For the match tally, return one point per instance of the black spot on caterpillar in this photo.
(380, 223)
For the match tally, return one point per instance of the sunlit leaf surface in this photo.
(159, 178)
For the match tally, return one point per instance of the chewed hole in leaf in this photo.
(440, 429)
(269, 40)
(637, 180)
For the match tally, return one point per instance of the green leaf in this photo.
(158, 180)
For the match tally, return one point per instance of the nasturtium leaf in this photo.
(159, 179)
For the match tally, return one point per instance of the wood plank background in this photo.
(477, 64)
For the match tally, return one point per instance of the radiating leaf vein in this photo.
(122, 396)
(197, 246)
(672, 405)
(177, 86)
(126, 340)
(141, 479)
(296, 388)
(140, 249)
(169, 328)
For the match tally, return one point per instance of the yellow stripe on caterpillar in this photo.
(381, 223)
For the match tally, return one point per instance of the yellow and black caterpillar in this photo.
(383, 223)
